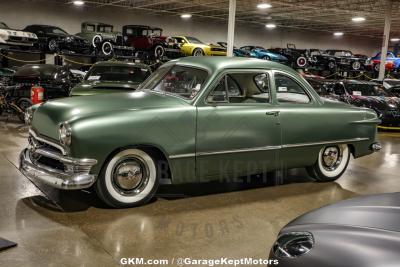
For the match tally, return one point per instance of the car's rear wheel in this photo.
(198, 52)
(332, 65)
(331, 164)
(96, 41)
(128, 179)
(266, 58)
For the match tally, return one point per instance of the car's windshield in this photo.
(182, 81)
(194, 40)
(366, 90)
(129, 74)
(56, 30)
(3, 25)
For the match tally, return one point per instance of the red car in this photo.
(150, 41)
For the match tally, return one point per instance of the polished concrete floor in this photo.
(54, 228)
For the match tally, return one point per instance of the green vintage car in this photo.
(195, 119)
(112, 77)
(103, 38)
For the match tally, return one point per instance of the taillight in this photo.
(37, 93)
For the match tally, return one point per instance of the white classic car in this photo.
(13, 38)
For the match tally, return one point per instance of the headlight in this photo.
(28, 116)
(294, 244)
(69, 39)
(65, 134)
(391, 105)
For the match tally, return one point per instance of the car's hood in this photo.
(376, 102)
(11, 32)
(377, 211)
(48, 116)
(97, 87)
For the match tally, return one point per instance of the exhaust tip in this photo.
(376, 147)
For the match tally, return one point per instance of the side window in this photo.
(289, 91)
(338, 89)
(242, 88)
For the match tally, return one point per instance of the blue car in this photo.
(262, 53)
(392, 62)
(236, 51)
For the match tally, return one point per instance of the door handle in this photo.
(272, 113)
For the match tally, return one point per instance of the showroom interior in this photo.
(199, 133)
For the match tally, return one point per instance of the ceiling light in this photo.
(264, 6)
(338, 33)
(186, 16)
(78, 3)
(270, 26)
(395, 39)
(358, 19)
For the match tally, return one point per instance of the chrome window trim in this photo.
(41, 139)
(266, 148)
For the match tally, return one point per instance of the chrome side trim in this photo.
(325, 142)
(266, 148)
(179, 156)
(36, 136)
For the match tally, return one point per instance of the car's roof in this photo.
(218, 63)
(121, 63)
(142, 26)
(97, 23)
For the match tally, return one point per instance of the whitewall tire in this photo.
(128, 179)
(107, 48)
(331, 164)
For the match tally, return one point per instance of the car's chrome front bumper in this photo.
(75, 176)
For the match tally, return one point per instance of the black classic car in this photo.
(322, 86)
(56, 82)
(343, 60)
(151, 41)
(297, 58)
(55, 39)
(370, 95)
(360, 232)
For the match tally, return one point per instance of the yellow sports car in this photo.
(191, 46)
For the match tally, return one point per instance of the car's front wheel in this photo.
(198, 52)
(107, 48)
(129, 179)
(52, 45)
(159, 51)
(331, 164)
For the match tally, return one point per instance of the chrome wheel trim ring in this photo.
(332, 157)
(152, 176)
(130, 175)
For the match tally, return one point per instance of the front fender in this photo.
(172, 130)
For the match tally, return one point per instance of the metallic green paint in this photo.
(209, 141)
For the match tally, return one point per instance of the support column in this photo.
(385, 41)
(231, 27)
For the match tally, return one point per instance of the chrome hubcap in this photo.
(332, 157)
(130, 176)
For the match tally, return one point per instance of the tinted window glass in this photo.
(365, 90)
(131, 74)
(289, 90)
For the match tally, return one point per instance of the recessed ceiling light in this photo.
(395, 39)
(358, 19)
(186, 16)
(78, 3)
(264, 6)
(270, 26)
(338, 33)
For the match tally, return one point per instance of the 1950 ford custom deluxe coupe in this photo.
(194, 119)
